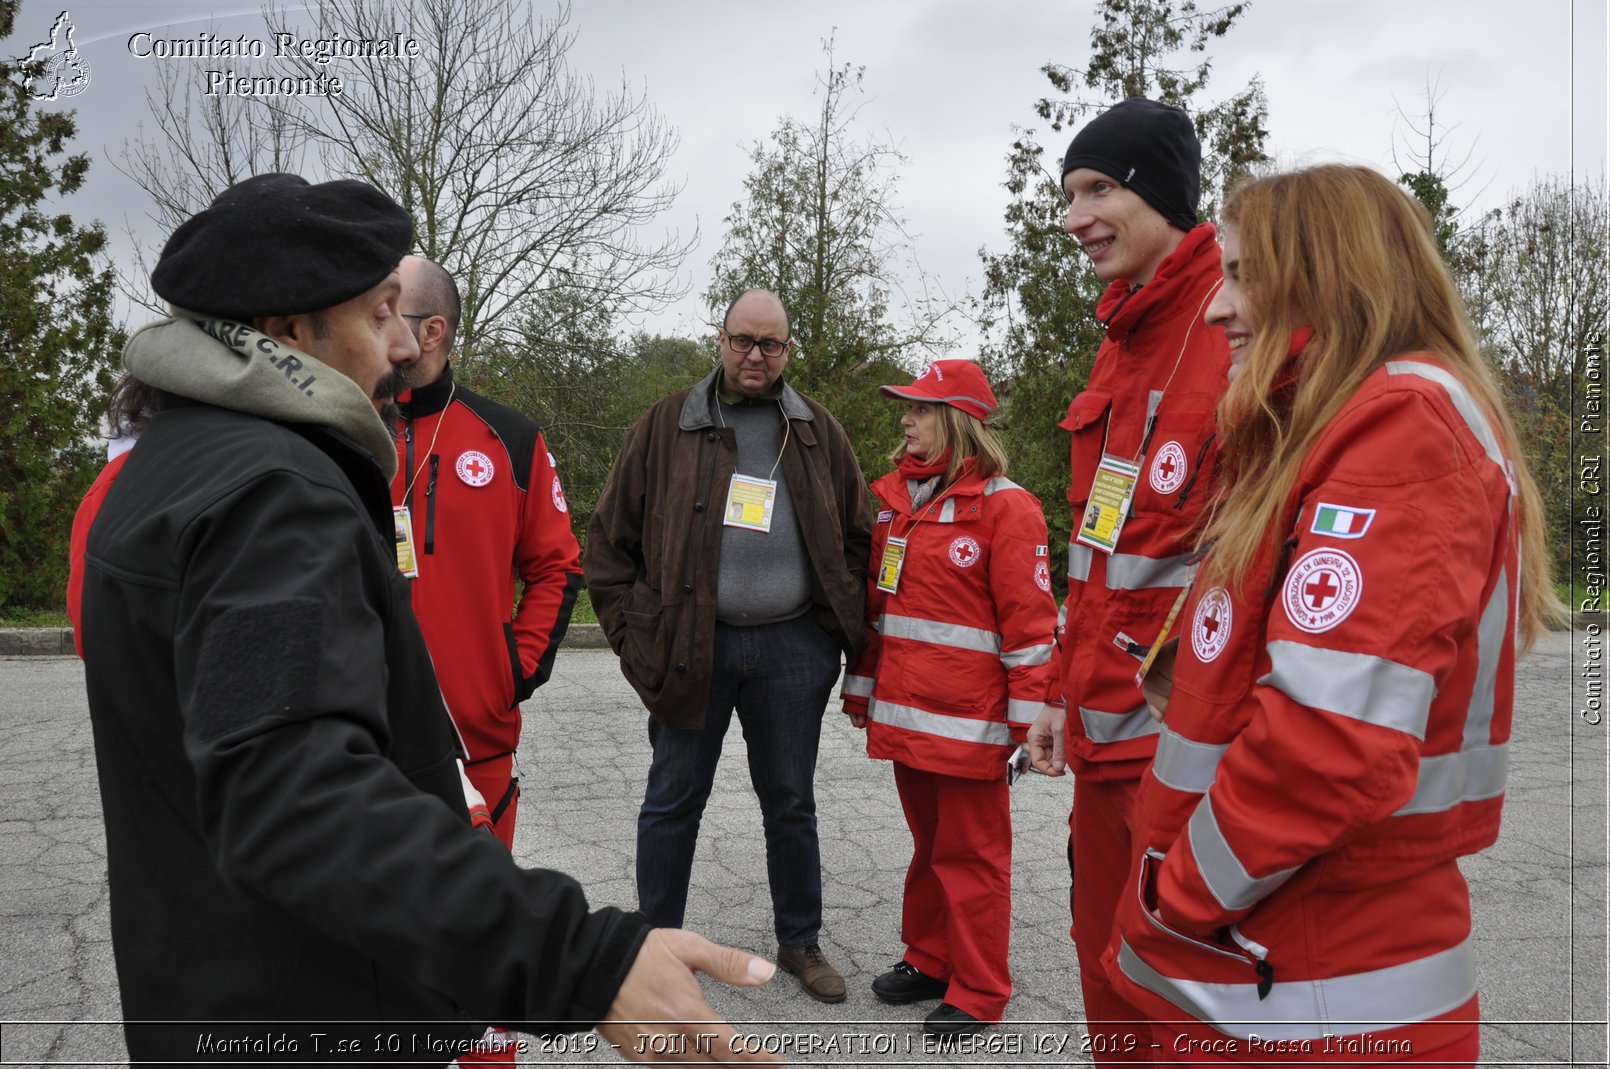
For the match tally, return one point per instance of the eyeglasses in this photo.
(770, 348)
(417, 315)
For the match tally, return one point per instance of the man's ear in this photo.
(293, 330)
(433, 333)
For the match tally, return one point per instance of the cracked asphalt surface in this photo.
(1539, 894)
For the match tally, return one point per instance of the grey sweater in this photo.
(764, 578)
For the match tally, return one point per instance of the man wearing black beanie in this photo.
(1143, 460)
(289, 848)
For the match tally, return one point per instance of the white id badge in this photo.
(1110, 494)
(403, 530)
(894, 558)
(750, 502)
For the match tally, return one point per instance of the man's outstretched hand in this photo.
(661, 998)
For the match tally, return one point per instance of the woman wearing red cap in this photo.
(958, 665)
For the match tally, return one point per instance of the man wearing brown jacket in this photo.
(727, 561)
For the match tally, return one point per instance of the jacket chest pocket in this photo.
(1087, 420)
(1219, 641)
(1176, 474)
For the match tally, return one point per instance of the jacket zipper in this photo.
(430, 507)
(709, 485)
(1251, 952)
(408, 462)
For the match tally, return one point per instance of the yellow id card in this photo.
(1110, 494)
(403, 530)
(894, 558)
(750, 502)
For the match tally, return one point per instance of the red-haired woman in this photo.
(1336, 736)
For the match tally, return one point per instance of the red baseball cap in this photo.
(958, 383)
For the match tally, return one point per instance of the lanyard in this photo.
(441, 419)
(1151, 419)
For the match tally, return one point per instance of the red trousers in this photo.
(494, 778)
(1100, 847)
(956, 919)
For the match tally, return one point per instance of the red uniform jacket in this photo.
(1159, 363)
(486, 507)
(83, 519)
(1334, 741)
(959, 659)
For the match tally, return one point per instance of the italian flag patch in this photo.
(1340, 521)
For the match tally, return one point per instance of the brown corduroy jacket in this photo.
(654, 541)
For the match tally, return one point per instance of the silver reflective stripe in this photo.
(948, 727)
(1462, 401)
(1154, 398)
(947, 511)
(1221, 870)
(858, 686)
(1028, 656)
(1079, 558)
(1019, 711)
(1446, 780)
(1356, 685)
(956, 636)
(1185, 765)
(1130, 571)
(1489, 650)
(1000, 482)
(1116, 727)
(1349, 1005)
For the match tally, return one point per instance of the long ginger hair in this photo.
(1347, 252)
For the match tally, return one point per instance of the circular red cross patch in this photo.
(963, 552)
(474, 467)
(1210, 625)
(1168, 468)
(1322, 589)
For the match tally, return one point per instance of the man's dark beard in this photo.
(389, 387)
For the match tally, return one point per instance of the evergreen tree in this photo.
(818, 227)
(57, 341)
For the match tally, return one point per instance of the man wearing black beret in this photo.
(1144, 427)
(288, 843)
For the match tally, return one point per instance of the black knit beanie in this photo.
(276, 245)
(1148, 147)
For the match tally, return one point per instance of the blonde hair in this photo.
(965, 436)
(1346, 251)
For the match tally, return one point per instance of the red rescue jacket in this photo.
(1334, 740)
(1159, 363)
(960, 657)
(486, 507)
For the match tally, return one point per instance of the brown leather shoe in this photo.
(822, 982)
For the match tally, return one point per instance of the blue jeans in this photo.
(778, 677)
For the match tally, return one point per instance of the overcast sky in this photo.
(1523, 91)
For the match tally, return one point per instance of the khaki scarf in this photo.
(228, 364)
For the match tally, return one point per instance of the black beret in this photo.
(1149, 147)
(276, 245)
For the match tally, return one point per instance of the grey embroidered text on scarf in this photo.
(228, 364)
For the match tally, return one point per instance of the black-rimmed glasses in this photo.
(770, 348)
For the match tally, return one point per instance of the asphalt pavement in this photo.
(1539, 894)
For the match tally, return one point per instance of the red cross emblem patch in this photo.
(474, 467)
(1168, 468)
(1322, 589)
(1042, 575)
(1210, 624)
(963, 552)
(559, 496)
